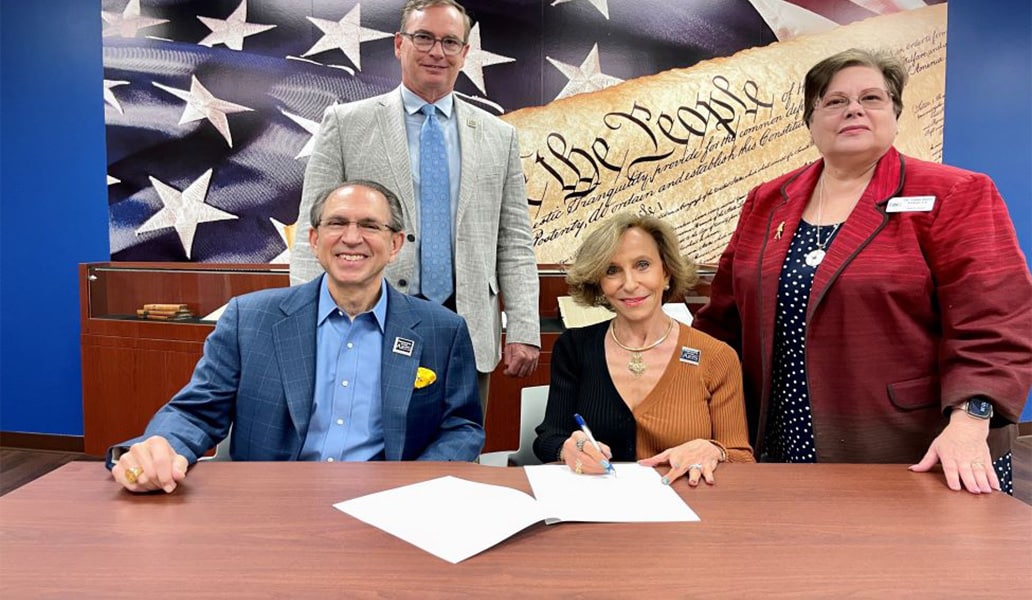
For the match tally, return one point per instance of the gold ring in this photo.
(578, 468)
(131, 475)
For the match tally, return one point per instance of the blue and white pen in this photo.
(584, 427)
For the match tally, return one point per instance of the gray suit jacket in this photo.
(492, 240)
(258, 374)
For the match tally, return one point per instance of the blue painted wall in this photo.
(988, 106)
(53, 195)
(53, 204)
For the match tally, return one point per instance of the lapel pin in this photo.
(781, 229)
(690, 355)
(403, 346)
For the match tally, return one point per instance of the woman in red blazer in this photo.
(881, 304)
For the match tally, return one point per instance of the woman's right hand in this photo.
(582, 457)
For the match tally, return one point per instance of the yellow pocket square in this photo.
(424, 377)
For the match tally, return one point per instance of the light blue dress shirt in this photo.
(449, 124)
(347, 419)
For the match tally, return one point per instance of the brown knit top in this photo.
(693, 401)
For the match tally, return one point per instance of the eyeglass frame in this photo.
(365, 226)
(889, 101)
(444, 49)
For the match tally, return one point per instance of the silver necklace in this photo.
(637, 365)
(816, 256)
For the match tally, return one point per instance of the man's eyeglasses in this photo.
(873, 99)
(423, 42)
(365, 226)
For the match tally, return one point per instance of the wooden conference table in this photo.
(261, 530)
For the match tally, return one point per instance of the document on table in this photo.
(636, 494)
(455, 519)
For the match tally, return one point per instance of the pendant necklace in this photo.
(637, 365)
(816, 256)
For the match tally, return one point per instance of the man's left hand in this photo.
(964, 454)
(520, 359)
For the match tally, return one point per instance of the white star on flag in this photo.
(477, 59)
(345, 34)
(787, 20)
(184, 210)
(588, 77)
(113, 180)
(232, 30)
(601, 5)
(129, 22)
(201, 104)
(308, 125)
(286, 233)
(109, 96)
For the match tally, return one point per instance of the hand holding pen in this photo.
(586, 455)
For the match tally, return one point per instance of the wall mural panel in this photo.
(673, 108)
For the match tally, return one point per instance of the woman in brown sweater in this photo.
(651, 389)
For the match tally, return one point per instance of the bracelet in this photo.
(723, 450)
(559, 455)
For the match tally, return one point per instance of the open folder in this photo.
(454, 519)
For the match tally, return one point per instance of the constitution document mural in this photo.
(673, 108)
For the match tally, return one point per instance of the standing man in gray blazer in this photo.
(487, 245)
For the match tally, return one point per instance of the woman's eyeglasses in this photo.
(869, 99)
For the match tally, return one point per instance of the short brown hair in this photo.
(413, 5)
(821, 74)
(588, 268)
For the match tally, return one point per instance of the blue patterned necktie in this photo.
(435, 256)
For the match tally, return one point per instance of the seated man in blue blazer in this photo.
(341, 368)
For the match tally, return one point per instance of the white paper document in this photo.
(455, 519)
(576, 315)
(679, 311)
(636, 494)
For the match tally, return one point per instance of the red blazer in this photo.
(910, 312)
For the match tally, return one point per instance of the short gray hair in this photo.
(397, 222)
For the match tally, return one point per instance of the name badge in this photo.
(690, 355)
(911, 204)
(403, 346)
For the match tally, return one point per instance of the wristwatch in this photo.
(978, 407)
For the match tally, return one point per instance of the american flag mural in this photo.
(211, 106)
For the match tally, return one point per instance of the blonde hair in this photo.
(593, 258)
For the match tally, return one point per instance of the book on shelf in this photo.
(164, 315)
(166, 307)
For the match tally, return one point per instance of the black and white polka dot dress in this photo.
(789, 436)
(790, 426)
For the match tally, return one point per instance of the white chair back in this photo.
(532, 411)
(221, 449)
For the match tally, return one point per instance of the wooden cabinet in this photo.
(132, 366)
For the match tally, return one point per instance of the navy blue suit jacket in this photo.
(258, 374)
